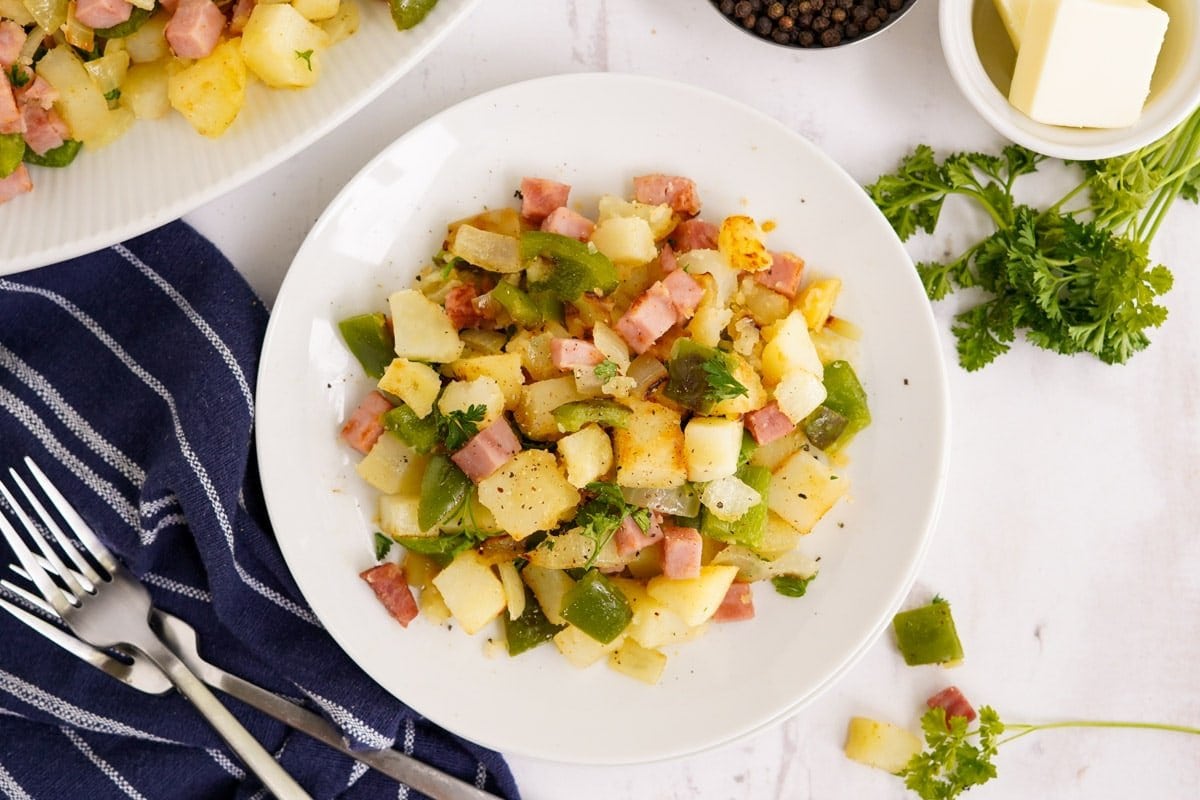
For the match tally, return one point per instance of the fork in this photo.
(181, 638)
(114, 609)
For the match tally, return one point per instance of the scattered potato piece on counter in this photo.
(210, 93)
(880, 744)
(274, 41)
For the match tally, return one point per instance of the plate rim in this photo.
(931, 511)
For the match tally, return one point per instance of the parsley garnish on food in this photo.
(306, 57)
(607, 370)
(115, 94)
(792, 585)
(457, 427)
(383, 544)
(1073, 281)
(721, 383)
(600, 517)
(18, 76)
(955, 758)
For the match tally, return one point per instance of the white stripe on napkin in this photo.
(108, 769)
(148, 508)
(410, 741)
(172, 585)
(69, 713)
(357, 771)
(347, 721)
(10, 787)
(226, 764)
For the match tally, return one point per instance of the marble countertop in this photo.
(1068, 540)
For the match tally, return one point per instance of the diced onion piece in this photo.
(30, 48)
(109, 70)
(50, 15)
(514, 589)
(712, 262)
(752, 567)
(681, 501)
(145, 5)
(490, 251)
(729, 498)
(76, 33)
(16, 11)
(648, 372)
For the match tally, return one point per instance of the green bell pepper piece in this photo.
(549, 306)
(519, 305)
(577, 268)
(748, 529)
(137, 19)
(59, 157)
(418, 433)
(442, 549)
(370, 340)
(596, 607)
(748, 449)
(573, 416)
(687, 380)
(444, 487)
(12, 150)
(927, 635)
(530, 629)
(845, 395)
(824, 426)
(409, 13)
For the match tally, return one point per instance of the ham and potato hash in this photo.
(602, 430)
(80, 72)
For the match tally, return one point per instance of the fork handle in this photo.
(247, 748)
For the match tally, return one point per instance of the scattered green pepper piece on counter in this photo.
(824, 426)
(577, 268)
(12, 149)
(419, 433)
(573, 416)
(530, 629)
(369, 338)
(519, 305)
(444, 487)
(409, 13)
(748, 529)
(597, 607)
(927, 635)
(845, 395)
(59, 157)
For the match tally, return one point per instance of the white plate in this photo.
(596, 132)
(162, 169)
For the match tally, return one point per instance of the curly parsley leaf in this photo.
(951, 762)
(792, 585)
(599, 517)
(458, 427)
(18, 76)
(383, 545)
(721, 383)
(607, 370)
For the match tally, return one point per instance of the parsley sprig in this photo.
(1078, 281)
(956, 758)
(600, 516)
(18, 76)
(721, 383)
(606, 370)
(456, 428)
(306, 57)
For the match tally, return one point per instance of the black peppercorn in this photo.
(860, 13)
(786, 23)
(749, 20)
(820, 24)
(852, 30)
(872, 24)
(764, 26)
(838, 15)
(882, 14)
(806, 39)
(805, 20)
(742, 9)
(830, 38)
(776, 10)
(780, 37)
(727, 7)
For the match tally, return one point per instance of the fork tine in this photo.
(26, 595)
(16, 570)
(41, 579)
(56, 564)
(75, 522)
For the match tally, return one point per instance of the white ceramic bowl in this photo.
(981, 58)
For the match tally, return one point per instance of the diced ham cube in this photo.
(364, 427)
(768, 424)
(685, 292)
(44, 130)
(666, 258)
(650, 316)
(194, 28)
(737, 605)
(694, 234)
(488, 450)
(17, 183)
(571, 353)
(539, 197)
(955, 703)
(12, 39)
(391, 587)
(241, 15)
(566, 222)
(103, 13)
(11, 120)
(462, 308)
(631, 538)
(682, 548)
(37, 91)
(678, 193)
(784, 274)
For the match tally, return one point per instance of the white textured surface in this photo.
(162, 168)
(1068, 539)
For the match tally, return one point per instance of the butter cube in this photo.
(1012, 13)
(1087, 63)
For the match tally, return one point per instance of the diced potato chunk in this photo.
(415, 383)
(740, 240)
(80, 101)
(423, 329)
(432, 606)
(342, 24)
(694, 599)
(708, 322)
(832, 346)
(149, 42)
(816, 301)
(482, 391)
(880, 744)
(471, 591)
(649, 449)
(803, 489)
(587, 455)
(772, 454)
(504, 369)
(754, 398)
(528, 494)
(653, 624)
(779, 538)
(789, 347)
(315, 10)
(711, 262)
(711, 447)
(638, 662)
(627, 241)
(582, 650)
(420, 570)
(798, 394)
(398, 516)
(660, 218)
(281, 47)
(549, 586)
(535, 412)
(534, 350)
(563, 551)
(211, 92)
(765, 305)
(392, 466)
(145, 90)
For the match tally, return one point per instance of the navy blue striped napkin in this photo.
(128, 375)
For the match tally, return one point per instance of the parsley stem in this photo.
(1026, 729)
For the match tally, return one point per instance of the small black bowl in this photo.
(812, 24)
